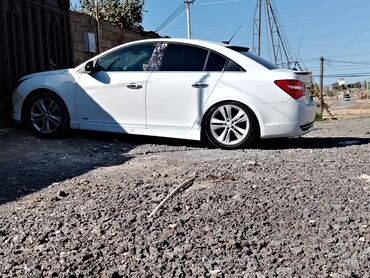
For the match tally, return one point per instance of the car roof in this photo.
(191, 41)
(205, 43)
(230, 51)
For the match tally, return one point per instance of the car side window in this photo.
(232, 66)
(131, 58)
(180, 57)
(215, 62)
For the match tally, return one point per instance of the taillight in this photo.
(294, 88)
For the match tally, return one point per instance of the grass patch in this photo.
(318, 117)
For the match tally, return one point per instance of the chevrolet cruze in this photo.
(177, 88)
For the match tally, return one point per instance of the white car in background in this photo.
(175, 88)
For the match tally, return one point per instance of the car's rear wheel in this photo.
(231, 125)
(47, 115)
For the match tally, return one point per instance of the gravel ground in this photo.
(79, 206)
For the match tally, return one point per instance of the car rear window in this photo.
(232, 66)
(215, 62)
(244, 51)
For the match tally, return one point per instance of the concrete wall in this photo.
(110, 35)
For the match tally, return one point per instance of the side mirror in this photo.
(90, 66)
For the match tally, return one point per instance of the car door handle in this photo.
(134, 86)
(200, 85)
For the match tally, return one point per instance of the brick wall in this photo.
(110, 35)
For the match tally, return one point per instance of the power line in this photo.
(217, 2)
(354, 39)
(336, 43)
(346, 67)
(361, 6)
(352, 62)
(341, 35)
(176, 14)
(360, 74)
(330, 22)
(343, 55)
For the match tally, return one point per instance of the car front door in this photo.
(112, 97)
(181, 82)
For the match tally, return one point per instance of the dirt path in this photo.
(288, 208)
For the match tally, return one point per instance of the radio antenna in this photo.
(237, 30)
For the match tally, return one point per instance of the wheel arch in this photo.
(204, 116)
(24, 114)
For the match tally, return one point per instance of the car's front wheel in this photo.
(47, 115)
(231, 125)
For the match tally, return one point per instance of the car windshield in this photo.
(244, 51)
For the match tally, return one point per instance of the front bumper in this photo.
(17, 102)
(16, 117)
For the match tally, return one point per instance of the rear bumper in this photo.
(307, 127)
(294, 119)
(287, 130)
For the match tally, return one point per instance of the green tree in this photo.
(335, 86)
(87, 7)
(127, 13)
(338, 87)
(133, 14)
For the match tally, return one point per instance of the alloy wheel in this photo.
(45, 115)
(229, 124)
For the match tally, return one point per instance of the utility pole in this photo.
(97, 25)
(259, 27)
(321, 85)
(187, 3)
(275, 35)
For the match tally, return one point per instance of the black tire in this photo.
(231, 125)
(47, 115)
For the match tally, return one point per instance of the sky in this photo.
(338, 30)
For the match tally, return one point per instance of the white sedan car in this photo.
(176, 88)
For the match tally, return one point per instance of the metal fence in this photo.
(35, 36)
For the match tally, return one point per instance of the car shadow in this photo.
(137, 140)
(310, 143)
(29, 164)
(267, 144)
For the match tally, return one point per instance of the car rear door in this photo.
(180, 84)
